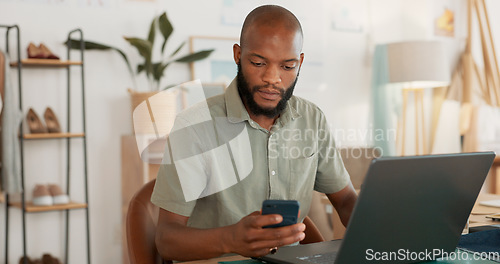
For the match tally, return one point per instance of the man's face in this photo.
(268, 65)
(247, 94)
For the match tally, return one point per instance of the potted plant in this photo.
(154, 69)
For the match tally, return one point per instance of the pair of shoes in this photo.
(29, 261)
(47, 195)
(40, 52)
(35, 125)
(46, 259)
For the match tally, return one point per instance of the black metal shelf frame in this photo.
(10, 28)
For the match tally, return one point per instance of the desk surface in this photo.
(216, 260)
(479, 212)
(477, 218)
(236, 258)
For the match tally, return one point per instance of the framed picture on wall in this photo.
(194, 92)
(219, 67)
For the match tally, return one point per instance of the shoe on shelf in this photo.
(49, 259)
(42, 196)
(34, 52)
(28, 260)
(47, 54)
(58, 197)
(35, 125)
(51, 121)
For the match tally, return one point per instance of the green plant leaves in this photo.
(195, 56)
(154, 71)
(144, 47)
(89, 45)
(140, 68)
(152, 32)
(178, 49)
(158, 70)
(166, 29)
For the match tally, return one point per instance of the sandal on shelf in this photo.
(30, 261)
(34, 52)
(35, 125)
(40, 52)
(47, 54)
(51, 121)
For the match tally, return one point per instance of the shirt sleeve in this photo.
(178, 181)
(167, 193)
(331, 175)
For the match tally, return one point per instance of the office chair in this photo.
(142, 217)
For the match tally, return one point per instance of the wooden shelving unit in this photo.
(67, 135)
(53, 135)
(30, 208)
(45, 63)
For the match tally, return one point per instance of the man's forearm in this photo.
(176, 241)
(346, 208)
(344, 202)
(179, 242)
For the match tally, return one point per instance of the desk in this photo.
(216, 260)
(479, 212)
(235, 258)
(477, 218)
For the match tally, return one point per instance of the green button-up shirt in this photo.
(298, 155)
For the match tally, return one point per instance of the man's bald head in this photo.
(272, 16)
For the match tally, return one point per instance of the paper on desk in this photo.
(245, 261)
(483, 210)
(493, 203)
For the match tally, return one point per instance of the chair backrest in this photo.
(357, 161)
(313, 235)
(142, 218)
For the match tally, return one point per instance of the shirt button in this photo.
(273, 172)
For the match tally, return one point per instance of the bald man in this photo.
(292, 153)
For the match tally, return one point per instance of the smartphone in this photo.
(288, 209)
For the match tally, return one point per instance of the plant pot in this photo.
(157, 115)
(138, 97)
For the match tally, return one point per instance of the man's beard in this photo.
(247, 93)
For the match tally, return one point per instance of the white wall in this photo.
(335, 75)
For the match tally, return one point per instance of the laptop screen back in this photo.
(413, 205)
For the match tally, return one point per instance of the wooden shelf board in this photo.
(52, 135)
(45, 63)
(30, 208)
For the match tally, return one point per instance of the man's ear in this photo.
(301, 60)
(237, 53)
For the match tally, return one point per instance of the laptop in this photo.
(409, 209)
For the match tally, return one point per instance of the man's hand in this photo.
(248, 237)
